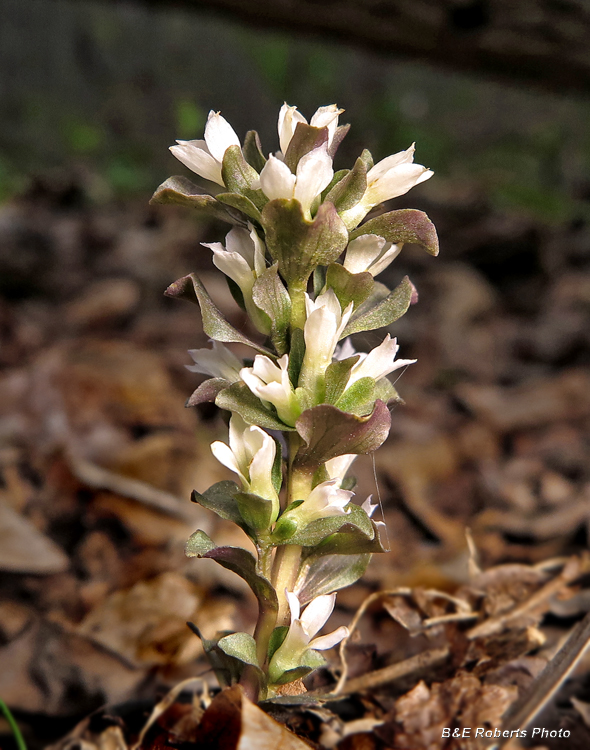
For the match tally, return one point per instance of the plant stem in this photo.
(288, 557)
(18, 738)
(286, 569)
(298, 313)
(267, 619)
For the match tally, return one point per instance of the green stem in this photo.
(298, 313)
(267, 619)
(18, 738)
(286, 569)
(288, 557)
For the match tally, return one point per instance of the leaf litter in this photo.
(98, 459)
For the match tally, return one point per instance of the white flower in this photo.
(250, 454)
(369, 506)
(219, 362)
(313, 174)
(206, 157)
(323, 327)
(242, 259)
(394, 176)
(371, 253)
(272, 384)
(379, 362)
(290, 117)
(389, 178)
(325, 500)
(337, 467)
(303, 628)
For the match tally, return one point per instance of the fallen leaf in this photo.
(232, 722)
(24, 549)
(146, 624)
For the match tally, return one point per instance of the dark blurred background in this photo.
(494, 93)
(98, 455)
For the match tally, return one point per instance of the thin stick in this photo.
(165, 704)
(99, 478)
(393, 672)
(404, 590)
(571, 570)
(548, 682)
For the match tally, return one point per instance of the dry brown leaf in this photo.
(24, 549)
(45, 666)
(14, 617)
(232, 722)
(534, 403)
(462, 701)
(146, 624)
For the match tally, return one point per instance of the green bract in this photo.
(302, 266)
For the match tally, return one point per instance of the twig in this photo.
(393, 672)
(165, 704)
(99, 478)
(403, 590)
(571, 570)
(443, 619)
(548, 682)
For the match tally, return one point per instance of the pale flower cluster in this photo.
(389, 178)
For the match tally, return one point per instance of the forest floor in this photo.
(98, 458)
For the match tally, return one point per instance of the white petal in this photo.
(289, 117)
(327, 117)
(314, 173)
(329, 641)
(219, 135)
(219, 362)
(369, 506)
(316, 614)
(396, 182)
(225, 456)
(266, 369)
(259, 251)
(276, 179)
(387, 257)
(379, 362)
(253, 439)
(403, 157)
(362, 252)
(337, 467)
(329, 300)
(237, 428)
(283, 363)
(236, 267)
(281, 399)
(198, 160)
(328, 499)
(261, 467)
(253, 382)
(239, 241)
(345, 318)
(294, 605)
(320, 331)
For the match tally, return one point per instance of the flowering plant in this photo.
(306, 405)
